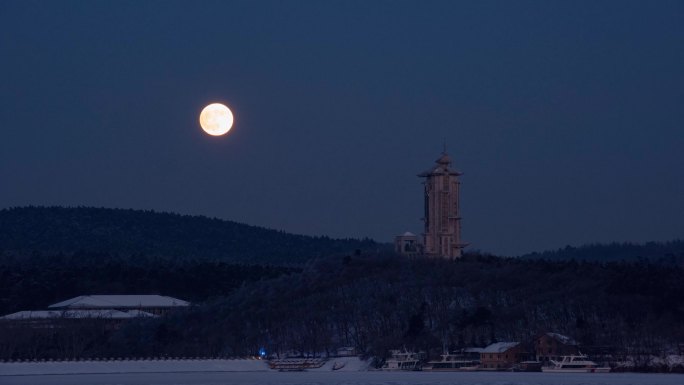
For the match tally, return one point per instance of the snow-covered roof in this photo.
(499, 347)
(408, 234)
(75, 314)
(119, 301)
(562, 339)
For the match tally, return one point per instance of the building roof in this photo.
(565, 340)
(499, 347)
(408, 234)
(444, 159)
(119, 301)
(442, 166)
(75, 314)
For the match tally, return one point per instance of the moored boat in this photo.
(452, 362)
(403, 360)
(575, 364)
(527, 366)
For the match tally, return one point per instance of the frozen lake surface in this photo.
(256, 372)
(344, 378)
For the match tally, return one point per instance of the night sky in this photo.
(566, 118)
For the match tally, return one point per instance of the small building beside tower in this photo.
(408, 244)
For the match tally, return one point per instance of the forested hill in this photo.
(51, 230)
(659, 252)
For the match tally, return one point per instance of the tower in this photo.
(442, 236)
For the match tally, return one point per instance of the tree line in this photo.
(664, 253)
(380, 301)
(52, 230)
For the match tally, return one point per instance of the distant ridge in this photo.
(662, 252)
(51, 230)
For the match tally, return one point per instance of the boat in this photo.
(403, 360)
(575, 364)
(295, 364)
(452, 362)
(527, 366)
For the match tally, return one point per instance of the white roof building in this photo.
(113, 307)
(120, 302)
(75, 314)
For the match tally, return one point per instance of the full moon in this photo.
(216, 119)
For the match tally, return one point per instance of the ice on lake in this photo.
(254, 372)
(346, 378)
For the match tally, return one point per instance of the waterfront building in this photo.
(553, 346)
(501, 355)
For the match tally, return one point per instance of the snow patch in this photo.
(129, 366)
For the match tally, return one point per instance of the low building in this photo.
(501, 355)
(407, 244)
(154, 304)
(552, 346)
(75, 314)
(346, 351)
(112, 309)
(65, 318)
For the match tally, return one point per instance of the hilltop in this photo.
(54, 230)
(671, 252)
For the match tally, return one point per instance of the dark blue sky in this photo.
(567, 118)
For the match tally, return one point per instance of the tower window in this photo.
(444, 212)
